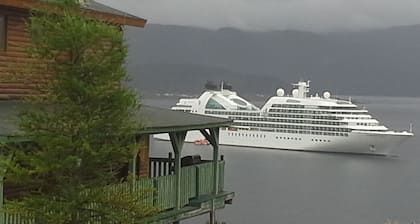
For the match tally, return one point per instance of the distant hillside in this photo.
(376, 62)
(190, 79)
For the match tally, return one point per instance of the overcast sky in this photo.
(313, 15)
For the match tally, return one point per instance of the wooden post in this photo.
(178, 180)
(1, 200)
(144, 165)
(213, 138)
(215, 132)
(134, 165)
(2, 174)
(177, 141)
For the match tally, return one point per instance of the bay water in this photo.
(280, 186)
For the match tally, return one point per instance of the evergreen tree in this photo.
(82, 125)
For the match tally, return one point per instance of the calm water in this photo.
(274, 186)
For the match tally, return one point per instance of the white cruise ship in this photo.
(293, 122)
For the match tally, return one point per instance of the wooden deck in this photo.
(196, 194)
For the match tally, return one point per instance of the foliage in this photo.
(83, 125)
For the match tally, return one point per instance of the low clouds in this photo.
(313, 15)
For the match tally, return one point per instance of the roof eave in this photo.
(158, 130)
(108, 17)
(117, 19)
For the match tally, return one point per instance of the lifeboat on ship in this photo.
(201, 142)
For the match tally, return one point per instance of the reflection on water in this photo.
(275, 186)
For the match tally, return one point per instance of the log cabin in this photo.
(17, 78)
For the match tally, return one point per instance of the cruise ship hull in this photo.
(358, 142)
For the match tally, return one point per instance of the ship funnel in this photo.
(227, 86)
(210, 85)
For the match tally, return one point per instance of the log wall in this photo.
(20, 75)
(17, 73)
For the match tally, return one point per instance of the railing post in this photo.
(169, 164)
(161, 172)
(178, 180)
(150, 167)
(215, 170)
(197, 181)
(154, 169)
(134, 169)
(155, 192)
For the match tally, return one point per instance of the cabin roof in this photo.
(154, 120)
(160, 120)
(92, 9)
(99, 7)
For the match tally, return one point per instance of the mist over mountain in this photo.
(166, 58)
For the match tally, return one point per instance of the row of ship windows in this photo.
(264, 125)
(288, 106)
(246, 135)
(304, 116)
(288, 120)
(290, 131)
(357, 118)
(314, 112)
(291, 116)
(288, 138)
(320, 140)
(238, 134)
(317, 117)
(313, 132)
(281, 115)
(313, 107)
(300, 139)
(367, 124)
(232, 113)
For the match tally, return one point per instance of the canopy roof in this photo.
(159, 120)
(154, 120)
(92, 9)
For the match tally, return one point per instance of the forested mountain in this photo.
(166, 58)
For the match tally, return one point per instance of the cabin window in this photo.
(2, 32)
(213, 104)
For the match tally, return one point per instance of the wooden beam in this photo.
(22, 4)
(212, 136)
(177, 140)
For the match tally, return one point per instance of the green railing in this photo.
(196, 181)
